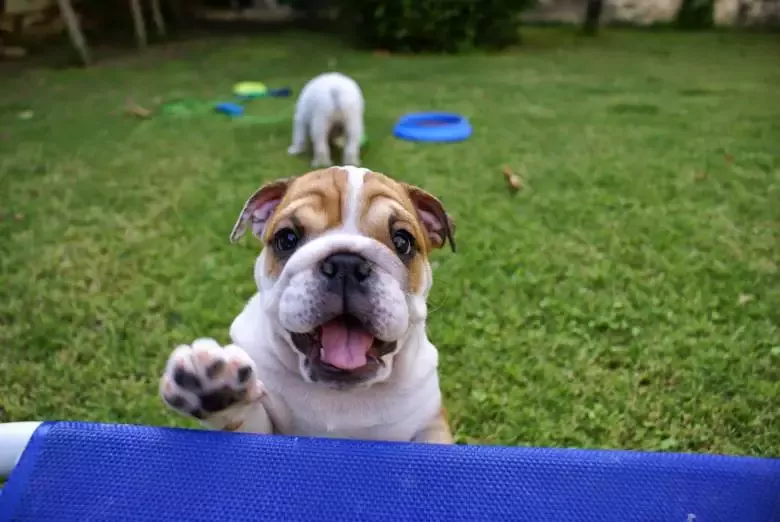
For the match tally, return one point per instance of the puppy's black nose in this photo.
(351, 268)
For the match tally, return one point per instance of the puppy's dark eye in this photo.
(403, 242)
(286, 240)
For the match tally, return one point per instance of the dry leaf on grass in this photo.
(136, 110)
(514, 181)
(744, 299)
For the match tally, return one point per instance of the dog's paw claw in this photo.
(205, 379)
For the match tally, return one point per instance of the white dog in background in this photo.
(329, 109)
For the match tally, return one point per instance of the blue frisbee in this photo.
(440, 127)
(231, 109)
(282, 92)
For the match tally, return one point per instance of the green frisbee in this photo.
(250, 89)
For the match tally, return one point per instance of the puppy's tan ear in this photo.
(430, 211)
(259, 208)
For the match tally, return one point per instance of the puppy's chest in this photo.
(342, 415)
(355, 425)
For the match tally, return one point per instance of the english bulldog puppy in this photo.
(329, 110)
(334, 342)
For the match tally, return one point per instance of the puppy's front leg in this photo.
(437, 431)
(218, 386)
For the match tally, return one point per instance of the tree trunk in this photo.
(593, 16)
(74, 30)
(159, 21)
(138, 21)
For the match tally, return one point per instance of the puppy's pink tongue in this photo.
(344, 346)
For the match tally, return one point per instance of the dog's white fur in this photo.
(329, 103)
(402, 402)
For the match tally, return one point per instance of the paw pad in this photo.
(205, 379)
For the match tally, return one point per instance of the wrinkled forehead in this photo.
(349, 199)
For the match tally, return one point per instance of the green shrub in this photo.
(696, 14)
(433, 25)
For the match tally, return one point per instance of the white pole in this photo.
(74, 30)
(159, 21)
(138, 22)
(14, 437)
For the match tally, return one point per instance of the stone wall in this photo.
(648, 12)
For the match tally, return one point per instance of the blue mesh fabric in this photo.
(97, 472)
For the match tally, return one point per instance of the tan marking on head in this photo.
(385, 207)
(314, 202)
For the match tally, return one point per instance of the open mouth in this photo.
(342, 348)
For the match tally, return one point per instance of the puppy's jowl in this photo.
(329, 109)
(334, 341)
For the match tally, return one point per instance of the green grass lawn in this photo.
(628, 297)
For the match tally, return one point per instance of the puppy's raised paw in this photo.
(206, 381)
